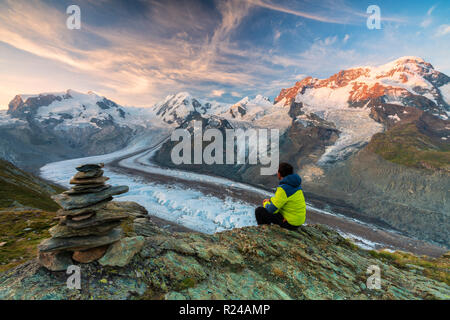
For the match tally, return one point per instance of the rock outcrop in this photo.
(86, 227)
(264, 262)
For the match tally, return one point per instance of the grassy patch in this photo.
(17, 185)
(406, 145)
(20, 233)
(434, 268)
(186, 283)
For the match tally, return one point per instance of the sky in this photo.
(138, 52)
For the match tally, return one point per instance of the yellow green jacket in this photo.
(289, 200)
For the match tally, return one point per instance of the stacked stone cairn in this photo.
(86, 227)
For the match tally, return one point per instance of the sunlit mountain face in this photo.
(138, 52)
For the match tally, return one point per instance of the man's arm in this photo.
(277, 201)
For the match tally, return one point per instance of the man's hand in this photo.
(265, 201)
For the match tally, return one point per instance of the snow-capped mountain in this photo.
(249, 108)
(177, 108)
(351, 98)
(258, 112)
(248, 112)
(407, 81)
(50, 126)
(75, 109)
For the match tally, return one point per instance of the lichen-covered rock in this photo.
(121, 252)
(265, 262)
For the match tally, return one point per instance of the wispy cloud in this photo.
(224, 49)
(127, 64)
(272, 6)
(217, 93)
(428, 19)
(443, 30)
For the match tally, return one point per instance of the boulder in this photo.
(120, 253)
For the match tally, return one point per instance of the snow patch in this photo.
(394, 117)
(355, 126)
(6, 119)
(361, 242)
(445, 92)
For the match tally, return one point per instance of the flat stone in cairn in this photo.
(80, 243)
(90, 167)
(89, 209)
(81, 217)
(88, 174)
(90, 255)
(89, 189)
(101, 216)
(55, 261)
(84, 187)
(99, 180)
(62, 231)
(81, 201)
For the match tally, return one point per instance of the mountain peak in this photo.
(399, 81)
(409, 59)
(73, 108)
(176, 108)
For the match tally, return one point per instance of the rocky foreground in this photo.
(249, 263)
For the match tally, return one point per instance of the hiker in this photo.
(287, 208)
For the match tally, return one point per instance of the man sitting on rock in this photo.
(287, 208)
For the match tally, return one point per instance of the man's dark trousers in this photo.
(265, 217)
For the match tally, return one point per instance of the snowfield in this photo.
(355, 125)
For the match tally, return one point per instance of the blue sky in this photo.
(137, 52)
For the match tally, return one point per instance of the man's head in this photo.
(284, 169)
